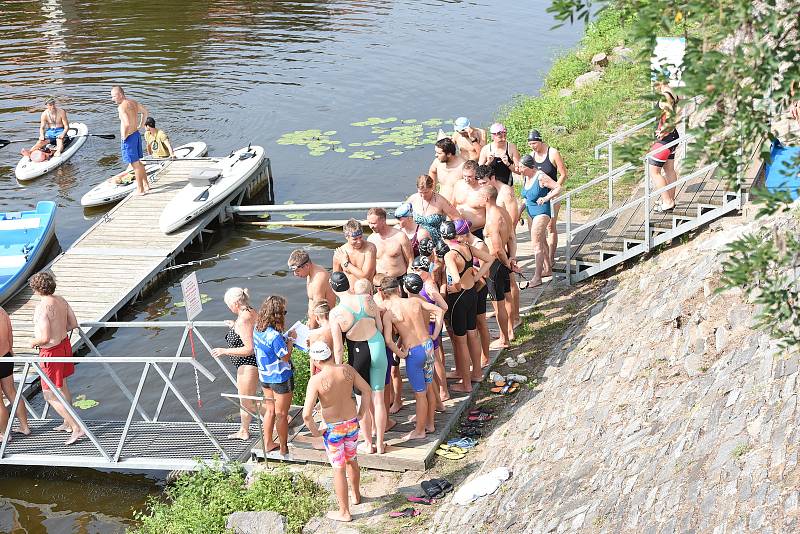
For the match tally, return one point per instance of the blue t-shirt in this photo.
(270, 348)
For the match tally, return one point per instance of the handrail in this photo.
(288, 208)
(616, 173)
(114, 359)
(622, 135)
(149, 324)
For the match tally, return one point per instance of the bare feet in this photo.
(430, 429)
(452, 374)
(57, 153)
(242, 435)
(380, 449)
(484, 364)
(339, 516)
(440, 407)
(76, 435)
(366, 448)
(390, 424)
(444, 395)
(536, 282)
(271, 447)
(62, 428)
(462, 388)
(517, 322)
(24, 431)
(415, 435)
(476, 379)
(355, 494)
(394, 408)
(498, 344)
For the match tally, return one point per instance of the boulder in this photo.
(621, 53)
(256, 523)
(599, 61)
(559, 130)
(589, 78)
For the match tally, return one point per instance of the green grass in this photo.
(201, 501)
(576, 123)
(302, 374)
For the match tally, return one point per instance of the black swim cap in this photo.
(421, 262)
(339, 282)
(426, 246)
(442, 249)
(447, 230)
(528, 161)
(412, 283)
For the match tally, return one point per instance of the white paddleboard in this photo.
(107, 191)
(224, 175)
(28, 170)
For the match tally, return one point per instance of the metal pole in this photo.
(67, 406)
(189, 409)
(171, 373)
(134, 403)
(610, 175)
(569, 239)
(14, 405)
(221, 365)
(114, 376)
(647, 237)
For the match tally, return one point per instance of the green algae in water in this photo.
(296, 216)
(432, 123)
(316, 141)
(372, 121)
(83, 403)
(363, 154)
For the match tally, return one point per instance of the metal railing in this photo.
(291, 208)
(190, 331)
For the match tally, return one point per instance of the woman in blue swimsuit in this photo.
(431, 208)
(537, 191)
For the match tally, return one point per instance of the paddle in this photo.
(6, 142)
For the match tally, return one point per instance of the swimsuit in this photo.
(415, 242)
(431, 324)
(660, 158)
(367, 357)
(235, 342)
(51, 135)
(419, 366)
(498, 281)
(462, 312)
(431, 224)
(532, 194)
(341, 441)
(57, 372)
(132, 147)
(502, 172)
(482, 293)
(6, 368)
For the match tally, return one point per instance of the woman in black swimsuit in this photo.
(242, 355)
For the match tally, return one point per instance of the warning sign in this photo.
(191, 296)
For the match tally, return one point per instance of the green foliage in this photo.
(576, 123)
(302, 372)
(742, 59)
(201, 501)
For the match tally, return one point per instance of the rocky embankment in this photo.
(662, 410)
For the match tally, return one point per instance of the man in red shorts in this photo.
(53, 319)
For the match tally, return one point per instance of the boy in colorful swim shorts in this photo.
(333, 387)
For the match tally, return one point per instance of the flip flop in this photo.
(450, 455)
(432, 490)
(481, 417)
(477, 411)
(469, 432)
(420, 500)
(463, 443)
(444, 485)
(452, 448)
(405, 512)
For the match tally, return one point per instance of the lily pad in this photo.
(409, 121)
(354, 144)
(83, 403)
(329, 133)
(371, 121)
(362, 154)
(203, 299)
(296, 216)
(432, 123)
(339, 149)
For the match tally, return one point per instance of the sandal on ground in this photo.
(450, 455)
(452, 448)
(431, 489)
(478, 411)
(470, 432)
(481, 417)
(420, 500)
(463, 443)
(443, 484)
(405, 512)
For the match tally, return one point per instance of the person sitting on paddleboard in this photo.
(157, 141)
(53, 128)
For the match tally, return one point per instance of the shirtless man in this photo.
(358, 318)
(333, 387)
(393, 248)
(506, 199)
(468, 200)
(356, 258)
(131, 117)
(53, 128)
(469, 140)
(409, 318)
(317, 286)
(53, 319)
(446, 167)
(501, 154)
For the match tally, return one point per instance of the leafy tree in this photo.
(743, 59)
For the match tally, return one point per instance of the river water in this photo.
(375, 78)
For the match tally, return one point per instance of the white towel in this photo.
(482, 485)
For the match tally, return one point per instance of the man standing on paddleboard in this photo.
(53, 128)
(131, 117)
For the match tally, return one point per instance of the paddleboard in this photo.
(209, 186)
(109, 191)
(24, 239)
(28, 170)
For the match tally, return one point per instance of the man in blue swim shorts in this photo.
(409, 318)
(131, 117)
(53, 128)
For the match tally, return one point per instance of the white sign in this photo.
(667, 59)
(191, 296)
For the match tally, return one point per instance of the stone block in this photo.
(256, 523)
(599, 61)
(721, 338)
(587, 79)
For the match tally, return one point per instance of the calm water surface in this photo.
(232, 73)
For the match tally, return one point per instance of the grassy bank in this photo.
(202, 501)
(574, 123)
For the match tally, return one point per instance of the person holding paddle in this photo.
(131, 117)
(53, 128)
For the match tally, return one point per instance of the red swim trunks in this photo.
(57, 371)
